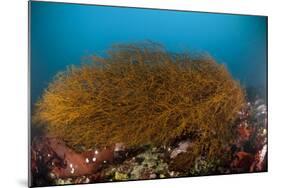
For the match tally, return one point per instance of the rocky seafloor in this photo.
(53, 163)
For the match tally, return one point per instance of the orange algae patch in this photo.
(141, 94)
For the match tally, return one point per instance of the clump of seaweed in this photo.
(141, 94)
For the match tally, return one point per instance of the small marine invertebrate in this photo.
(140, 94)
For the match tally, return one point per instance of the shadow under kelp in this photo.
(189, 111)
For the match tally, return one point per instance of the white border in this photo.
(13, 99)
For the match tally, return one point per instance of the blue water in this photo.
(62, 34)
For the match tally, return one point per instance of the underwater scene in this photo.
(120, 94)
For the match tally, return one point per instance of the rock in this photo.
(121, 176)
(152, 176)
(182, 147)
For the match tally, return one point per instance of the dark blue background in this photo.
(62, 34)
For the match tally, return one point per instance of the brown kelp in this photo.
(140, 94)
